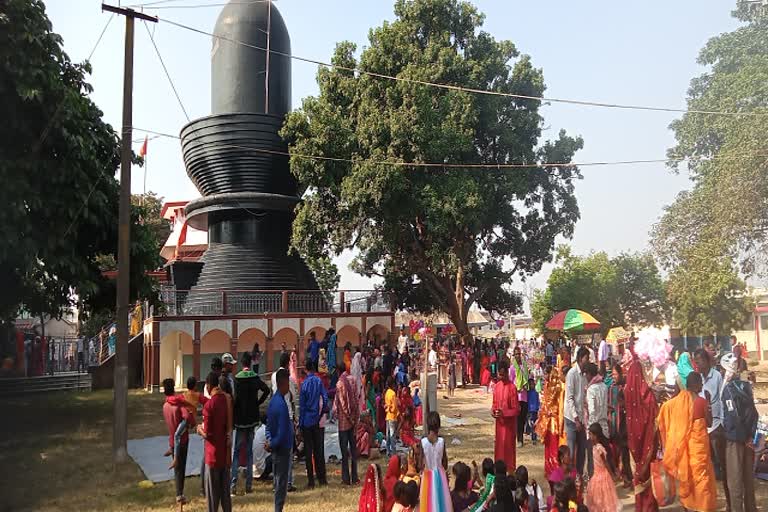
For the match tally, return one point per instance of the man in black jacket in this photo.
(248, 385)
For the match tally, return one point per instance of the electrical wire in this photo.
(467, 89)
(198, 6)
(440, 165)
(167, 74)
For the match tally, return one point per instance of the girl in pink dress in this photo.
(601, 490)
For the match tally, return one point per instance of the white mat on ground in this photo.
(148, 454)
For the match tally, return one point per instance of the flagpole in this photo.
(146, 163)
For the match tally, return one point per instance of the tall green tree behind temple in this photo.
(718, 230)
(626, 290)
(441, 239)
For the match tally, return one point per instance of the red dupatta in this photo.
(370, 496)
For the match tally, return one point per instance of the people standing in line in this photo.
(521, 376)
(280, 444)
(216, 433)
(345, 403)
(712, 389)
(740, 424)
(312, 392)
(392, 415)
(575, 384)
(505, 409)
(250, 393)
(596, 410)
(174, 413)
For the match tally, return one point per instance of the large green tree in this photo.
(441, 238)
(626, 290)
(58, 160)
(717, 230)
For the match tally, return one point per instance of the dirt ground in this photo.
(55, 456)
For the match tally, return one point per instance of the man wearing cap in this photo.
(740, 424)
(229, 366)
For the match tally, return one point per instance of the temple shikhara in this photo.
(231, 279)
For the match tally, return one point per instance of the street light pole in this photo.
(120, 386)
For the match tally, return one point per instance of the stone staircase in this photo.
(67, 381)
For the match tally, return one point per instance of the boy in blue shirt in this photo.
(533, 408)
(280, 444)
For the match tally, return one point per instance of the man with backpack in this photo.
(740, 423)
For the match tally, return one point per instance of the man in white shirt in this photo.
(262, 460)
(402, 343)
(713, 385)
(602, 354)
(432, 359)
(575, 385)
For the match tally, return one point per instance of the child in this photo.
(533, 409)
(601, 491)
(435, 493)
(565, 496)
(486, 494)
(406, 497)
(191, 406)
(462, 495)
(535, 495)
(417, 407)
(504, 490)
(563, 470)
(392, 411)
(414, 465)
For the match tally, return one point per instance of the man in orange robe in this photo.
(505, 409)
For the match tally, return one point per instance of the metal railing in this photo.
(202, 302)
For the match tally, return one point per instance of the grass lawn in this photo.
(55, 455)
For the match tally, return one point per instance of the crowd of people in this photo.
(602, 416)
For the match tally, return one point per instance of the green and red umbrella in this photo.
(573, 320)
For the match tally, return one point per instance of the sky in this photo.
(641, 53)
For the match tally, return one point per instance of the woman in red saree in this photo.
(549, 425)
(485, 373)
(407, 416)
(641, 409)
(364, 434)
(390, 479)
(371, 499)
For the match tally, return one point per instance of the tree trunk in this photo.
(457, 310)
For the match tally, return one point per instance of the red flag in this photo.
(182, 238)
(143, 148)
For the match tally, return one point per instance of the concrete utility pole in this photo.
(120, 402)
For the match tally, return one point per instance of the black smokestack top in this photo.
(238, 162)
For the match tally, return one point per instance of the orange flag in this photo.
(143, 148)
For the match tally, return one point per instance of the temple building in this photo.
(231, 280)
